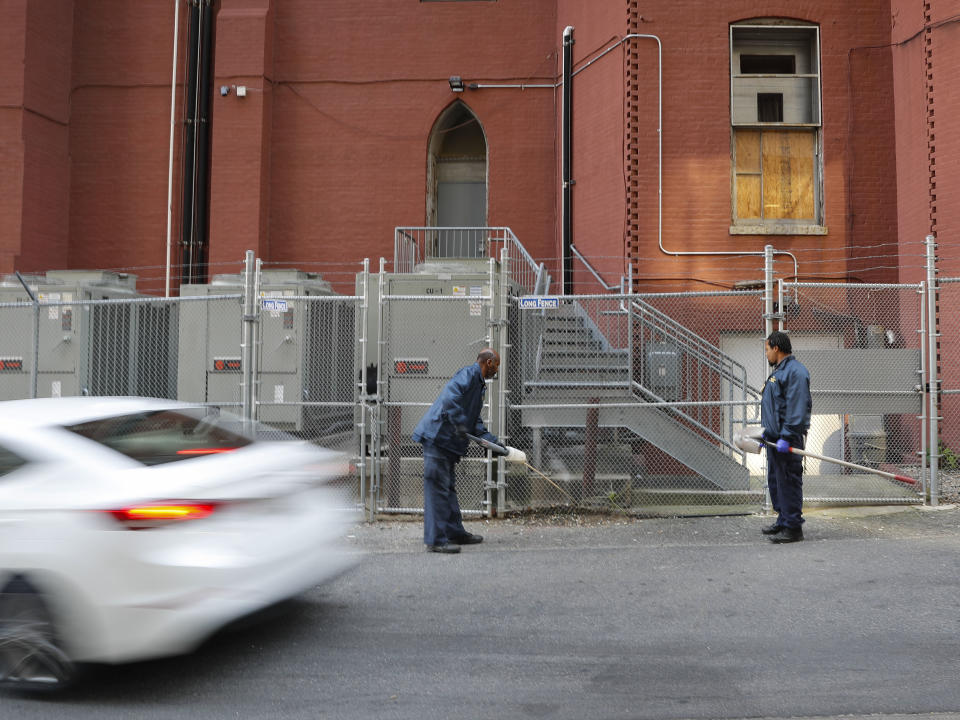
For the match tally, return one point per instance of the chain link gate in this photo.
(424, 340)
(863, 346)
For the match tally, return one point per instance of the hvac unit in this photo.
(86, 342)
(438, 328)
(304, 352)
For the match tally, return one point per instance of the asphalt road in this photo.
(651, 618)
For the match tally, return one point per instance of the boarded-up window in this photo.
(775, 124)
(774, 174)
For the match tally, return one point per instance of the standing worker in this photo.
(785, 416)
(442, 432)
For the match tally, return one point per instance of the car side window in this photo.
(161, 436)
(9, 461)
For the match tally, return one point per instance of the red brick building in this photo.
(846, 154)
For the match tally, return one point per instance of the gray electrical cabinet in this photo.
(298, 358)
(86, 344)
(439, 327)
(662, 370)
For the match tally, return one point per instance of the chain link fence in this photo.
(863, 347)
(948, 441)
(622, 402)
(623, 407)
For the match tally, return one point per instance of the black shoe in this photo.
(469, 539)
(772, 529)
(446, 548)
(787, 535)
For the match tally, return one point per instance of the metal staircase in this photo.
(576, 364)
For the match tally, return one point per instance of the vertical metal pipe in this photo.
(567, 160)
(767, 328)
(362, 390)
(246, 344)
(377, 440)
(257, 341)
(504, 349)
(933, 382)
(173, 121)
(768, 290)
(36, 334)
(923, 418)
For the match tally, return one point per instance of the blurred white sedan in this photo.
(133, 528)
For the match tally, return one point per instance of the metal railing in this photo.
(705, 372)
(414, 246)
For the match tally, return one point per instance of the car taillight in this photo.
(205, 451)
(151, 515)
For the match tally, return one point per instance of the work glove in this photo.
(515, 456)
(783, 446)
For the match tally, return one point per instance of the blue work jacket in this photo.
(457, 407)
(786, 404)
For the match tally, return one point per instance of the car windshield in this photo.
(153, 437)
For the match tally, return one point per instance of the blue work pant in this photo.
(442, 522)
(785, 481)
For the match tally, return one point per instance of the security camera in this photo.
(224, 90)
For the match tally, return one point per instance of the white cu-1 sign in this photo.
(539, 303)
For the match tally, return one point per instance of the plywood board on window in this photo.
(748, 197)
(748, 150)
(788, 174)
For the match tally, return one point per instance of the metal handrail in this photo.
(586, 263)
(468, 243)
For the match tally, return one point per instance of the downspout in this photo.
(173, 104)
(188, 206)
(566, 152)
(202, 188)
(196, 186)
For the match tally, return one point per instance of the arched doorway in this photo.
(457, 182)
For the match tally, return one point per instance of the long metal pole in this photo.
(933, 383)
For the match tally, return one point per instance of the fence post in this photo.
(362, 386)
(933, 382)
(36, 335)
(257, 340)
(246, 346)
(376, 439)
(504, 350)
(923, 372)
(768, 290)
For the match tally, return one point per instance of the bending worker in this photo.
(442, 432)
(785, 416)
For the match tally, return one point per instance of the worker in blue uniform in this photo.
(442, 432)
(785, 416)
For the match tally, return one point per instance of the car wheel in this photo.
(30, 654)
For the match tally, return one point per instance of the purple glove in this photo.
(783, 446)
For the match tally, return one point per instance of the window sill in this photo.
(776, 229)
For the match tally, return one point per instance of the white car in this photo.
(133, 528)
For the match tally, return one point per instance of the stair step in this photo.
(582, 362)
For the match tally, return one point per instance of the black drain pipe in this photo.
(567, 162)
(196, 153)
